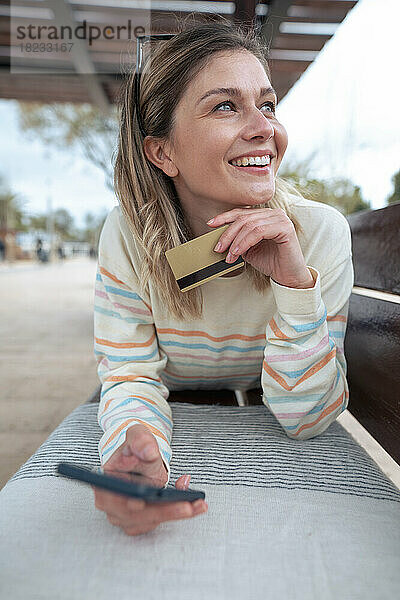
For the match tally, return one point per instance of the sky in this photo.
(344, 109)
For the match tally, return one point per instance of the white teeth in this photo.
(252, 160)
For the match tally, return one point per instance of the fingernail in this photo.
(199, 506)
(127, 451)
(210, 221)
(187, 478)
(218, 247)
(147, 451)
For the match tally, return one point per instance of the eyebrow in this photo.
(235, 92)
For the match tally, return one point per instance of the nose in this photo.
(258, 125)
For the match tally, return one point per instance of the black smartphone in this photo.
(134, 485)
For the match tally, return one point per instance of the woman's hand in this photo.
(134, 515)
(265, 238)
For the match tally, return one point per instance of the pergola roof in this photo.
(295, 31)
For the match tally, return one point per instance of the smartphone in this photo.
(134, 485)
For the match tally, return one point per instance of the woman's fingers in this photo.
(140, 529)
(168, 511)
(112, 503)
(182, 483)
(228, 236)
(245, 239)
(116, 504)
(124, 508)
(139, 453)
(135, 516)
(157, 514)
(114, 520)
(142, 443)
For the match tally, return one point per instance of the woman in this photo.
(206, 100)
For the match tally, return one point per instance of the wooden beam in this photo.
(277, 12)
(293, 41)
(315, 18)
(245, 11)
(327, 14)
(344, 5)
(80, 55)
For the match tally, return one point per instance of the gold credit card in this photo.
(196, 262)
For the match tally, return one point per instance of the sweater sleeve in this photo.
(304, 369)
(128, 357)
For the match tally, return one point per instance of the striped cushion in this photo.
(307, 520)
(228, 445)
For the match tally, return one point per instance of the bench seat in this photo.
(314, 519)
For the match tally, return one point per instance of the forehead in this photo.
(238, 68)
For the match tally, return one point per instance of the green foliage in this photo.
(11, 209)
(64, 225)
(13, 216)
(395, 196)
(92, 228)
(338, 192)
(37, 222)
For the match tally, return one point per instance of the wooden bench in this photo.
(372, 342)
(224, 397)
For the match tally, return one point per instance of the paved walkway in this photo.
(47, 365)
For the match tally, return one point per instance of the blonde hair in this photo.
(147, 196)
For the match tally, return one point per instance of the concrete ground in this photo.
(47, 365)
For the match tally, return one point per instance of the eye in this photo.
(271, 105)
(223, 104)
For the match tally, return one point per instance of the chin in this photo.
(259, 198)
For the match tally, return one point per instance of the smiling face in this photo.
(211, 131)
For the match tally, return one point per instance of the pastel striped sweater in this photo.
(287, 341)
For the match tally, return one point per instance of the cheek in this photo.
(281, 141)
(200, 155)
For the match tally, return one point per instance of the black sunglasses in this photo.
(141, 39)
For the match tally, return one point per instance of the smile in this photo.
(252, 169)
(257, 161)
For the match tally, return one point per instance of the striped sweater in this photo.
(287, 341)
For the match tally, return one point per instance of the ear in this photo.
(160, 154)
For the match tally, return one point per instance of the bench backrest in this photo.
(372, 343)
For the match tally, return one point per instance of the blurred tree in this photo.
(339, 192)
(395, 197)
(64, 223)
(92, 228)
(66, 125)
(37, 222)
(11, 209)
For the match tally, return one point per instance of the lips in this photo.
(254, 170)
